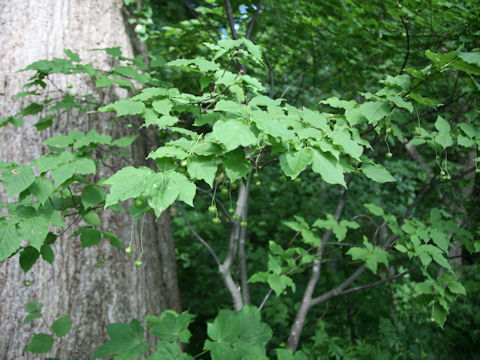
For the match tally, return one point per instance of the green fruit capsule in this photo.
(243, 224)
(297, 180)
(183, 163)
(389, 155)
(139, 203)
(138, 263)
(388, 130)
(224, 190)
(212, 209)
(234, 186)
(129, 250)
(258, 183)
(236, 217)
(216, 220)
(231, 211)
(256, 176)
(27, 283)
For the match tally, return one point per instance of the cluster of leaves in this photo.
(221, 130)
(42, 343)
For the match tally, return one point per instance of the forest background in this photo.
(300, 176)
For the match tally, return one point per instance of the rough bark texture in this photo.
(42, 29)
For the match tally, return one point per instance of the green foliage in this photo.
(366, 136)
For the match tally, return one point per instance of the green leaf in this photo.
(124, 141)
(202, 168)
(40, 344)
(126, 183)
(162, 122)
(91, 218)
(34, 230)
(343, 138)
(44, 122)
(294, 162)
(268, 124)
(328, 167)
(59, 141)
(47, 254)
(28, 257)
(125, 340)
(374, 209)
(472, 57)
(62, 173)
(163, 192)
(374, 111)
(285, 354)
(17, 179)
(238, 335)
(89, 237)
(62, 325)
(171, 326)
(162, 106)
(42, 188)
(442, 125)
(439, 314)
(125, 107)
(9, 240)
(233, 133)
(236, 166)
(114, 240)
(377, 173)
(92, 195)
(457, 288)
(73, 56)
(34, 311)
(169, 351)
(444, 139)
(186, 187)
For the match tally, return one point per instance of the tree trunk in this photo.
(93, 297)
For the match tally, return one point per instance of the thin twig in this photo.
(254, 18)
(197, 236)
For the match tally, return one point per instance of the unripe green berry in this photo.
(256, 176)
(212, 209)
(183, 163)
(139, 203)
(231, 211)
(138, 263)
(27, 283)
(236, 217)
(243, 223)
(129, 250)
(234, 186)
(216, 220)
(58, 231)
(258, 183)
(388, 130)
(389, 155)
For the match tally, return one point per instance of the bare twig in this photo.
(254, 18)
(197, 236)
(200, 15)
(302, 312)
(407, 54)
(241, 244)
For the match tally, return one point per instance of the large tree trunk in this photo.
(42, 29)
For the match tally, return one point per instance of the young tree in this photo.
(93, 296)
(320, 147)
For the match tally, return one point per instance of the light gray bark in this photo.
(41, 29)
